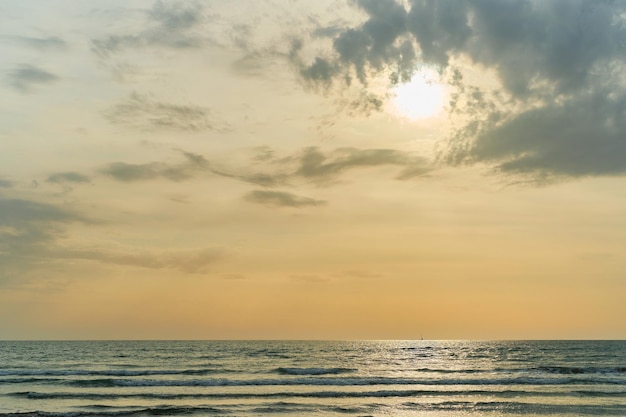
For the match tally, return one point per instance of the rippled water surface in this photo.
(377, 378)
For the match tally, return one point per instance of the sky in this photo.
(329, 169)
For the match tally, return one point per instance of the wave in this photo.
(335, 381)
(519, 408)
(559, 370)
(500, 407)
(113, 372)
(32, 395)
(562, 370)
(150, 411)
(271, 408)
(30, 380)
(573, 370)
(313, 371)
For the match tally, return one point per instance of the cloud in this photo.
(144, 112)
(193, 166)
(583, 137)
(269, 170)
(21, 213)
(281, 199)
(557, 63)
(176, 16)
(125, 172)
(31, 236)
(170, 26)
(188, 261)
(27, 230)
(187, 169)
(256, 178)
(318, 166)
(309, 279)
(524, 41)
(64, 177)
(6, 183)
(24, 77)
(323, 168)
(51, 42)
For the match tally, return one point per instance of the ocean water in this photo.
(361, 378)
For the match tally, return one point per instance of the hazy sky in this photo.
(312, 169)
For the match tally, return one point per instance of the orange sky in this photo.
(269, 170)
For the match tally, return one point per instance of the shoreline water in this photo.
(312, 378)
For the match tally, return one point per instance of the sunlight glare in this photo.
(420, 98)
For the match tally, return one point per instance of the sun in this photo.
(422, 97)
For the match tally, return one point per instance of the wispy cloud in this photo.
(126, 172)
(270, 170)
(51, 42)
(65, 177)
(188, 261)
(281, 199)
(309, 279)
(24, 77)
(176, 16)
(33, 237)
(144, 112)
(27, 230)
(318, 166)
(169, 25)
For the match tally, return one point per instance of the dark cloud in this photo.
(169, 25)
(560, 64)
(144, 112)
(24, 77)
(525, 41)
(64, 177)
(320, 71)
(281, 199)
(582, 137)
(558, 41)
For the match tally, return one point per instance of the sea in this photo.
(312, 378)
